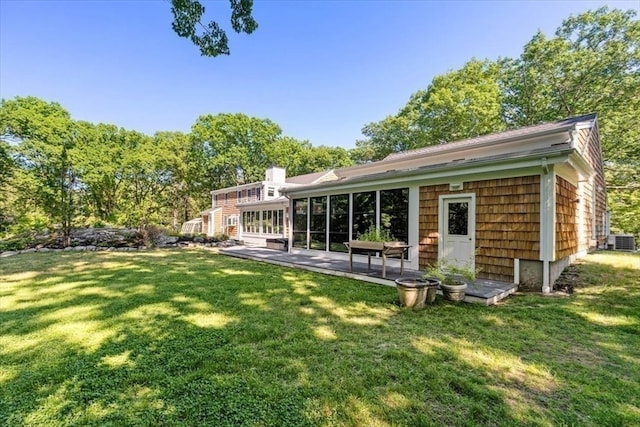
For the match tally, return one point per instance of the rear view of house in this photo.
(255, 212)
(520, 205)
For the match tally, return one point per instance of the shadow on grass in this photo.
(187, 337)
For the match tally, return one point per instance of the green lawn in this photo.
(193, 338)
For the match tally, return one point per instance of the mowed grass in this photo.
(189, 337)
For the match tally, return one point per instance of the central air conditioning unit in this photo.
(621, 242)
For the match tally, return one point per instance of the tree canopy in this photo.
(592, 64)
(456, 105)
(60, 172)
(210, 38)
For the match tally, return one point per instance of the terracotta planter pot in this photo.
(455, 292)
(414, 293)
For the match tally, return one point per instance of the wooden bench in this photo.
(386, 249)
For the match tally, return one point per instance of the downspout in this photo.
(547, 222)
(545, 166)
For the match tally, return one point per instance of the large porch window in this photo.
(318, 223)
(300, 213)
(349, 215)
(263, 222)
(338, 222)
(394, 212)
(364, 212)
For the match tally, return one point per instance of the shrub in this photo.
(150, 235)
(30, 222)
(14, 244)
(220, 237)
(376, 234)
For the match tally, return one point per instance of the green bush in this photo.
(30, 222)
(150, 235)
(14, 244)
(376, 234)
(220, 237)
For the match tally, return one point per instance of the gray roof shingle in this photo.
(528, 131)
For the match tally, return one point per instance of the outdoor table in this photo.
(387, 249)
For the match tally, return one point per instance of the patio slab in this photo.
(486, 292)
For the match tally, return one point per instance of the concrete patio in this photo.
(486, 292)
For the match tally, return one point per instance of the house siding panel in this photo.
(594, 157)
(566, 218)
(230, 209)
(594, 195)
(507, 223)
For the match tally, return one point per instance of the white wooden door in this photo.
(457, 228)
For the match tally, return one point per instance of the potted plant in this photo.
(373, 239)
(453, 278)
(415, 293)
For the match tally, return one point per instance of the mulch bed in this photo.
(568, 280)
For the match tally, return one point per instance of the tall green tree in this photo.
(99, 163)
(623, 189)
(210, 38)
(147, 180)
(6, 171)
(45, 152)
(456, 105)
(182, 201)
(323, 157)
(300, 157)
(6, 162)
(591, 65)
(231, 149)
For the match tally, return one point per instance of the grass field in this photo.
(193, 338)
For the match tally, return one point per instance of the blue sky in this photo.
(319, 69)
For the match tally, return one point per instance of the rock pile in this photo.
(104, 239)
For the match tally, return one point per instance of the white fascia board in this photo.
(237, 188)
(210, 210)
(266, 203)
(422, 176)
(460, 146)
(580, 164)
(585, 125)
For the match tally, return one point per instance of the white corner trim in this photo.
(414, 227)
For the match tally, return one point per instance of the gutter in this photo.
(455, 146)
(425, 172)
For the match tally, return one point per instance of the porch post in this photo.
(414, 227)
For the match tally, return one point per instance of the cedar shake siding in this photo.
(229, 208)
(594, 154)
(566, 218)
(594, 195)
(507, 223)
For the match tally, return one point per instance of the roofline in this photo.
(326, 172)
(264, 182)
(262, 203)
(497, 139)
(426, 171)
(453, 146)
(237, 187)
(210, 210)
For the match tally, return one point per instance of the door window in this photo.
(458, 219)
